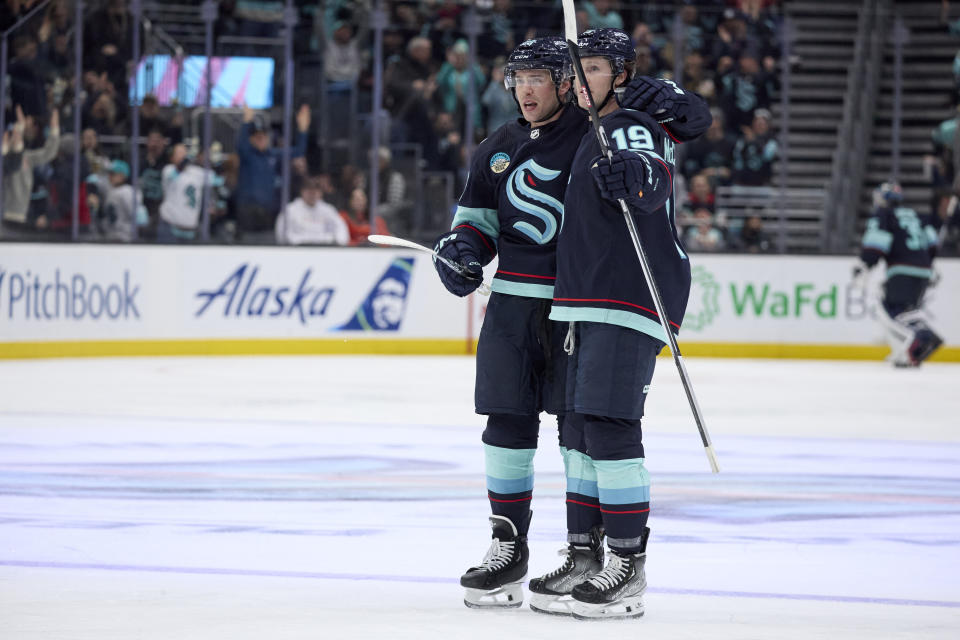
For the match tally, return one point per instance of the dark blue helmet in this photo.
(613, 44)
(541, 53)
(887, 194)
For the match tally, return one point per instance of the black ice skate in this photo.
(498, 581)
(616, 591)
(552, 593)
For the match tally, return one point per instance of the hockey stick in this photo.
(570, 29)
(483, 289)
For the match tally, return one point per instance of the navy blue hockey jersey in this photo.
(599, 278)
(900, 237)
(513, 200)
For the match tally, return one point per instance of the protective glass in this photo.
(527, 78)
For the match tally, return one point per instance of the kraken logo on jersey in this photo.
(522, 182)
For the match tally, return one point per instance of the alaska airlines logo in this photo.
(523, 182)
(385, 305)
(244, 293)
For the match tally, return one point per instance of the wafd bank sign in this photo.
(798, 300)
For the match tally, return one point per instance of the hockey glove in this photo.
(622, 177)
(454, 248)
(649, 95)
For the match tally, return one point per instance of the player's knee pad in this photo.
(512, 431)
(613, 438)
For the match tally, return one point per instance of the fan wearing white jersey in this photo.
(183, 191)
(310, 220)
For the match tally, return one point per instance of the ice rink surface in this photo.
(341, 497)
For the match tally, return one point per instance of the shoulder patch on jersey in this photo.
(499, 162)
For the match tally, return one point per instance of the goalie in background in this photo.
(908, 246)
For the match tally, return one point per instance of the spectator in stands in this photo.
(453, 82)
(755, 152)
(450, 147)
(153, 159)
(696, 36)
(499, 103)
(600, 14)
(19, 165)
(761, 27)
(410, 85)
(703, 235)
(392, 186)
(342, 61)
(701, 194)
(118, 217)
(90, 149)
(100, 114)
(257, 196)
(697, 77)
(54, 37)
(743, 90)
(184, 197)
(498, 37)
(645, 42)
(27, 87)
(347, 180)
(712, 153)
(151, 118)
(60, 185)
(108, 42)
(752, 237)
(357, 217)
(310, 220)
(731, 40)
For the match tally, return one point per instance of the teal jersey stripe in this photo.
(518, 485)
(522, 289)
(581, 476)
(906, 270)
(877, 239)
(485, 220)
(509, 464)
(619, 317)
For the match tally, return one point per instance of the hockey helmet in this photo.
(887, 194)
(540, 53)
(613, 44)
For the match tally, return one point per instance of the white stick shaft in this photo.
(483, 289)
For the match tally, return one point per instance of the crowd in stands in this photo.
(730, 52)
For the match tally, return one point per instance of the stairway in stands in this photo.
(927, 85)
(823, 49)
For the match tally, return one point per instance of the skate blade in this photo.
(509, 596)
(552, 605)
(631, 607)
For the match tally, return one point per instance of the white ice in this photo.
(341, 497)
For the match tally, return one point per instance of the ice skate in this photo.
(617, 591)
(497, 582)
(552, 593)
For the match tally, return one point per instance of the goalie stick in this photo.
(570, 29)
(483, 289)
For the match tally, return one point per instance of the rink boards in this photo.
(96, 300)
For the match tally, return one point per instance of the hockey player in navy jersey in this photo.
(907, 245)
(512, 206)
(614, 334)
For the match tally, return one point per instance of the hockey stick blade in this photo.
(391, 241)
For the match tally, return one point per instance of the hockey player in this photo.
(614, 334)
(896, 234)
(513, 206)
